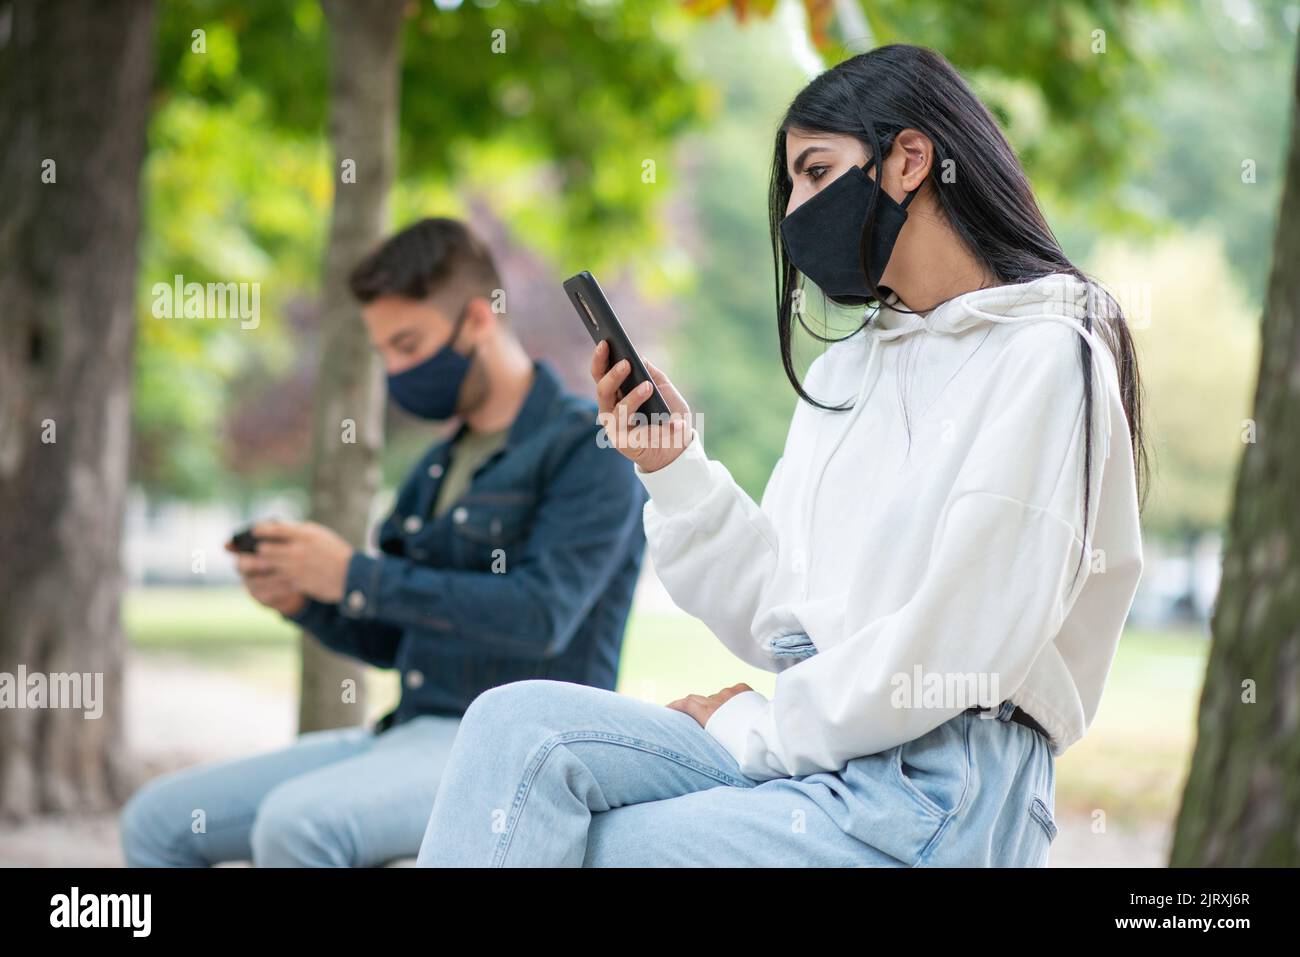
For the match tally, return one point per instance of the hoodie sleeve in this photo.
(999, 583)
(712, 546)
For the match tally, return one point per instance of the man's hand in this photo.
(701, 707)
(310, 557)
(272, 590)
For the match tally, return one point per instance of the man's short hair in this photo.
(424, 260)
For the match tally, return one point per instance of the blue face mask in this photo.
(431, 389)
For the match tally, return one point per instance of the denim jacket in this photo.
(529, 574)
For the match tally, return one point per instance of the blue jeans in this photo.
(342, 798)
(546, 773)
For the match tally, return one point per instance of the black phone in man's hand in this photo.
(601, 323)
(244, 540)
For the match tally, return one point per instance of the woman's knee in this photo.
(526, 706)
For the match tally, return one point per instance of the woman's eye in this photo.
(815, 173)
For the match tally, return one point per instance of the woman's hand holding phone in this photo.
(646, 440)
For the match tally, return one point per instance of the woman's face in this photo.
(815, 160)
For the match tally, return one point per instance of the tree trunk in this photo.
(1241, 805)
(365, 72)
(76, 77)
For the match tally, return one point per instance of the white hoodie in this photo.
(932, 531)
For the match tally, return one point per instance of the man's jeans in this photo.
(343, 798)
(548, 773)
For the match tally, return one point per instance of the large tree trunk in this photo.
(366, 51)
(75, 77)
(1241, 806)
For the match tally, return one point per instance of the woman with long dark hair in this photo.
(940, 567)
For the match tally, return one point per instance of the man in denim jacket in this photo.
(512, 552)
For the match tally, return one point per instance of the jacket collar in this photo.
(532, 415)
(536, 410)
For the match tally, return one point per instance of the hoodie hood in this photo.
(1058, 294)
(1058, 297)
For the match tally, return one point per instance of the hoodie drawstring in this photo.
(859, 403)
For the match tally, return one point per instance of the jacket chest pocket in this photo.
(489, 530)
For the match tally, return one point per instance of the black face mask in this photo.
(823, 237)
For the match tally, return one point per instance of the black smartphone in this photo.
(601, 323)
(244, 540)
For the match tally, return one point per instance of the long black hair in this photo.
(990, 205)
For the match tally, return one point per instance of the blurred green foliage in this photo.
(725, 355)
(229, 197)
(1197, 338)
(580, 97)
(555, 129)
(1222, 104)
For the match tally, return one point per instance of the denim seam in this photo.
(1038, 811)
(548, 748)
(924, 800)
(501, 539)
(932, 845)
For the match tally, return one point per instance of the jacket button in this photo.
(799, 561)
(412, 524)
(356, 601)
(460, 515)
(435, 470)
(414, 678)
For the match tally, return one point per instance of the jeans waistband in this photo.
(1010, 712)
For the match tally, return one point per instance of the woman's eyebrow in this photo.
(798, 162)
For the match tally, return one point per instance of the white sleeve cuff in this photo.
(681, 484)
(732, 724)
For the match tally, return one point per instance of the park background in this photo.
(634, 139)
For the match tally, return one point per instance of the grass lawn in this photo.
(1130, 765)
(208, 623)
(1134, 758)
